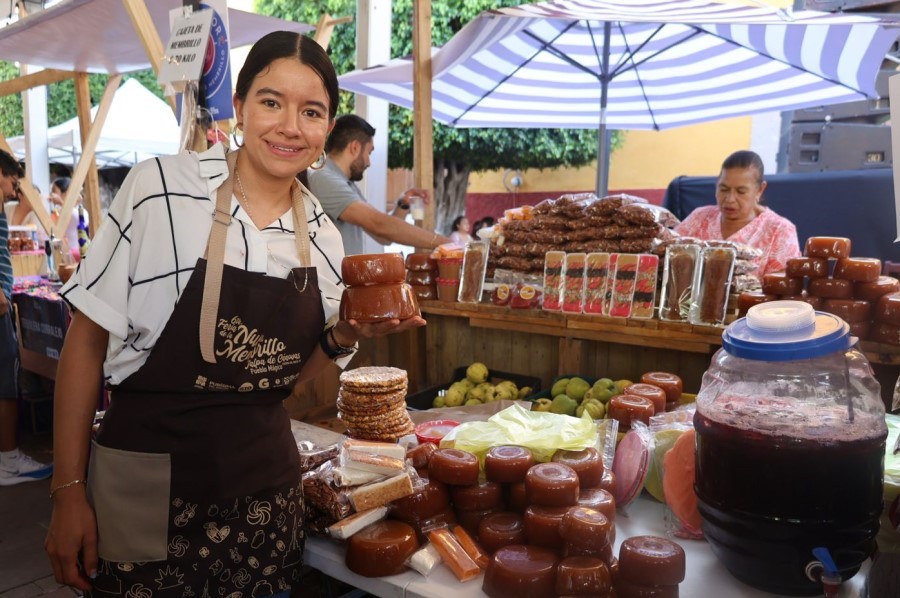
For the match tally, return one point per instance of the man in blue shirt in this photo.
(348, 149)
(15, 467)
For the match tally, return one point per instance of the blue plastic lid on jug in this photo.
(786, 331)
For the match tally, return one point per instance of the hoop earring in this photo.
(238, 143)
(318, 164)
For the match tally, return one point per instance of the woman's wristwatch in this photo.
(332, 348)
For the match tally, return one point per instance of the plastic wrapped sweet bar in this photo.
(573, 283)
(596, 278)
(473, 268)
(645, 287)
(623, 284)
(712, 281)
(554, 262)
(678, 279)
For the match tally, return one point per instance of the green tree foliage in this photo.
(61, 104)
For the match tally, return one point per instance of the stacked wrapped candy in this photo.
(575, 223)
(372, 403)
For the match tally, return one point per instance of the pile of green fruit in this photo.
(575, 396)
(475, 389)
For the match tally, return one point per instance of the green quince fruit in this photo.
(564, 405)
(559, 387)
(622, 384)
(604, 389)
(503, 392)
(454, 397)
(438, 402)
(525, 391)
(577, 387)
(542, 405)
(477, 373)
(593, 407)
(473, 402)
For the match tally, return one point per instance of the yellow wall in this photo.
(646, 160)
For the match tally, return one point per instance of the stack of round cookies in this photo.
(372, 403)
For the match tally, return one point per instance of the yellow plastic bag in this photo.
(539, 431)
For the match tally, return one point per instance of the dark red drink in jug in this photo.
(771, 486)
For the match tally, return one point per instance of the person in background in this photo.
(485, 222)
(348, 149)
(15, 467)
(739, 217)
(209, 292)
(58, 190)
(460, 231)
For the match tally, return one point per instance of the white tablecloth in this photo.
(706, 577)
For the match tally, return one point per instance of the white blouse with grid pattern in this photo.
(157, 227)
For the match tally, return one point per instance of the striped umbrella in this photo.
(638, 64)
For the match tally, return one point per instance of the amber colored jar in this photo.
(779, 283)
(849, 310)
(552, 485)
(420, 262)
(377, 303)
(453, 466)
(831, 288)
(628, 408)
(872, 291)
(420, 277)
(497, 530)
(671, 384)
(507, 463)
(813, 267)
(585, 528)
(486, 495)
(887, 334)
(887, 309)
(600, 500)
(542, 525)
(582, 575)
(518, 571)
(381, 548)
(372, 268)
(447, 289)
(858, 269)
(427, 502)
(426, 292)
(651, 560)
(587, 464)
(826, 247)
(649, 391)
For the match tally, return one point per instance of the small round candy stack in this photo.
(372, 403)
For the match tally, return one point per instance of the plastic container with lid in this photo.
(790, 441)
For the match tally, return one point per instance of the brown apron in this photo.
(195, 477)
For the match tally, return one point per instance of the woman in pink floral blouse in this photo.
(739, 217)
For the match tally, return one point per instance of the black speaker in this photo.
(814, 147)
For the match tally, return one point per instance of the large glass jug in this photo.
(790, 448)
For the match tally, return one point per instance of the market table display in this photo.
(705, 575)
(43, 321)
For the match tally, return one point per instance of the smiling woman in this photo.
(197, 449)
(739, 216)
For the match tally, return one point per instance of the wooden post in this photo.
(325, 27)
(423, 133)
(143, 25)
(87, 157)
(92, 182)
(44, 77)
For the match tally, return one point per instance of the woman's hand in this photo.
(72, 533)
(348, 332)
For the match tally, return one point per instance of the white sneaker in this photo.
(23, 469)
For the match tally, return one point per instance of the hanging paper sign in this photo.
(217, 68)
(186, 50)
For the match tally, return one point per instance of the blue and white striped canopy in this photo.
(670, 63)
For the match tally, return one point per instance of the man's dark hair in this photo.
(9, 166)
(347, 128)
(745, 159)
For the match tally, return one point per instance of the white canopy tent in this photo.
(139, 126)
(98, 36)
